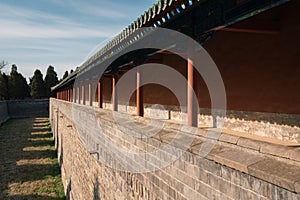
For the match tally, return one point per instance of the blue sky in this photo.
(37, 33)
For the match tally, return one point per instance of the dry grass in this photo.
(29, 167)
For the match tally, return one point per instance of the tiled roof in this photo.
(159, 15)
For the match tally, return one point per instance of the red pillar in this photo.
(78, 95)
(90, 94)
(71, 94)
(191, 108)
(100, 100)
(114, 94)
(83, 94)
(139, 95)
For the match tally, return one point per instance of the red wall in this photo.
(261, 72)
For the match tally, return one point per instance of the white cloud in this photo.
(107, 10)
(8, 11)
(38, 36)
(18, 22)
(16, 29)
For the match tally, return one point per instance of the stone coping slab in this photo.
(276, 172)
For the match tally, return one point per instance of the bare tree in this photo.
(2, 64)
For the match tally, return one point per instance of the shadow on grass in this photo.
(41, 142)
(48, 153)
(28, 161)
(36, 130)
(38, 136)
(33, 197)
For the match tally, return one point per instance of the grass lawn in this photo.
(28, 164)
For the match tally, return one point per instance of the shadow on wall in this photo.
(96, 189)
(3, 112)
(69, 188)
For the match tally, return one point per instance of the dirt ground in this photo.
(28, 163)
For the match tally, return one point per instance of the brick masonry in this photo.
(231, 170)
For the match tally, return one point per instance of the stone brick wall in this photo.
(28, 108)
(23, 108)
(3, 112)
(235, 168)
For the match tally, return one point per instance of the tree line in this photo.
(15, 86)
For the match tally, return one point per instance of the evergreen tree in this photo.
(37, 86)
(65, 75)
(51, 80)
(3, 86)
(25, 87)
(17, 85)
(13, 83)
